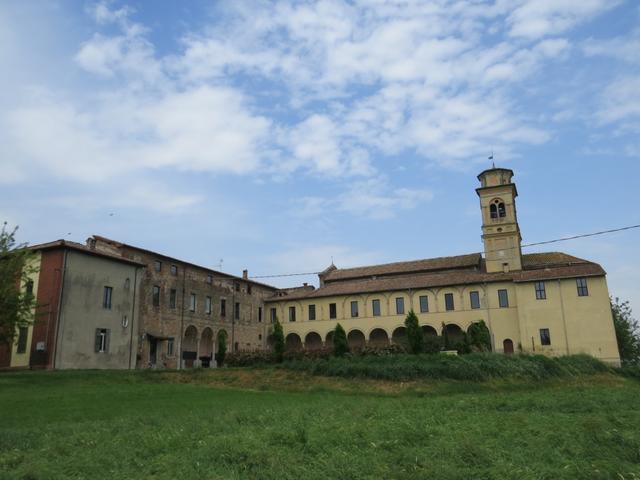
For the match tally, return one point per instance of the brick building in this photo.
(183, 307)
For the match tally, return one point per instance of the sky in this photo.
(279, 136)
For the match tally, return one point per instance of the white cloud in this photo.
(539, 18)
(625, 48)
(372, 198)
(621, 100)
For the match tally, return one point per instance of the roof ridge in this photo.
(407, 261)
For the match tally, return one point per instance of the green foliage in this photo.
(222, 347)
(149, 425)
(340, 343)
(415, 338)
(278, 340)
(627, 332)
(478, 337)
(16, 270)
(475, 367)
(432, 344)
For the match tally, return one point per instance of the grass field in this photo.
(279, 424)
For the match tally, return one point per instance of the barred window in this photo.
(474, 297)
(312, 312)
(354, 309)
(503, 298)
(333, 311)
(400, 306)
(545, 336)
(375, 306)
(581, 283)
(448, 302)
(424, 304)
(541, 293)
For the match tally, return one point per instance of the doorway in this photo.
(507, 346)
(153, 350)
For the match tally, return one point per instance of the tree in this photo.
(627, 332)
(340, 343)
(222, 347)
(278, 340)
(479, 337)
(17, 302)
(415, 337)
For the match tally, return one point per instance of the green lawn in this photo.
(254, 424)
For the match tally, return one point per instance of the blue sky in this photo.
(277, 135)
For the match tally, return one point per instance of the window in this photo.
(237, 287)
(170, 345)
(497, 209)
(545, 336)
(23, 332)
(173, 294)
(354, 309)
(125, 321)
(375, 306)
(333, 311)
(312, 312)
(424, 304)
(236, 311)
(274, 315)
(174, 270)
(474, 297)
(448, 302)
(582, 287)
(127, 284)
(503, 298)
(259, 314)
(292, 314)
(249, 289)
(541, 294)
(102, 340)
(157, 265)
(209, 279)
(156, 296)
(192, 302)
(400, 306)
(223, 307)
(207, 305)
(29, 287)
(106, 298)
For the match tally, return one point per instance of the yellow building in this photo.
(550, 303)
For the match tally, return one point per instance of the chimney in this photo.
(305, 284)
(245, 274)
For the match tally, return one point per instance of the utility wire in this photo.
(546, 242)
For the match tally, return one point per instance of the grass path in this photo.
(286, 425)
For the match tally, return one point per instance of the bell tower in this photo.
(500, 231)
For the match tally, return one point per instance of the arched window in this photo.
(497, 209)
(502, 212)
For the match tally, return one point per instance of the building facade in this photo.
(551, 303)
(107, 304)
(86, 310)
(184, 306)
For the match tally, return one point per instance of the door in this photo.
(507, 346)
(153, 349)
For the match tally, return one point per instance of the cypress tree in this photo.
(278, 340)
(222, 347)
(414, 333)
(340, 343)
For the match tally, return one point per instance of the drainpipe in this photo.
(54, 353)
(233, 317)
(184, 274)
(133, 317)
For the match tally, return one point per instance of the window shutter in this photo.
(97, 340)
(106, 341)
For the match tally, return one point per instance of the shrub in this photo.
(415, 337)
(278, 340)
(432, 344)
(479, 338)
(476, 367)
(340, 343)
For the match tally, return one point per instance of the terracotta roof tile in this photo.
(414, 266)
(538, 266)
